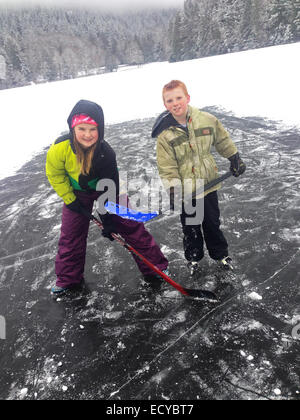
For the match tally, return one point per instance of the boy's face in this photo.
(176, 101)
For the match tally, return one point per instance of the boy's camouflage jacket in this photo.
(186, 153)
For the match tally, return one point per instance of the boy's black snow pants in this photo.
(215, 241)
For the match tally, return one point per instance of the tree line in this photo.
(46, 44)
(211, 27)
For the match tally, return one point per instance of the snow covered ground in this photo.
(262, 82)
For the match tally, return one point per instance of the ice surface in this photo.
(122, 339)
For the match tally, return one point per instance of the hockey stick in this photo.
(207, 187)
(194, 293)
(213, 183)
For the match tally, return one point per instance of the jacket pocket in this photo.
(181, 148)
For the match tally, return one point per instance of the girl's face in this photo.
(176, 101)
(86, 135)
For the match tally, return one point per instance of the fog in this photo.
(115, 5)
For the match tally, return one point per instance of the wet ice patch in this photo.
(29, 305)
(37, 384)
(250, 326)
(130, 136)
(121, 345)
(255, 325)
(12, 214)
(245, 283)
(46, 213)
(113, 315)
(42, 277)
(3, 276)
(111, 260)
(160, 376)
(171, 294)
(249, 357)
(166, 324)
(291, 235)
(240, 187)
(23, 393)
(277, 391)
(237, 234)
(94, 296)
(255, 296)
(295, 319)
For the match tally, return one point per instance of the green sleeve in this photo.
(57, 174)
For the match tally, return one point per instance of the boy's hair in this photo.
(173, 85)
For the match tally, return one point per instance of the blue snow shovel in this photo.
(139, 216)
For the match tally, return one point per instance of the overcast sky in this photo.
(108, 4)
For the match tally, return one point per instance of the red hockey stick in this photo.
(194, 293)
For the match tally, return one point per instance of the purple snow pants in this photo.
(70, 259)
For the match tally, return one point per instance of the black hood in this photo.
(91, 109)
(164, 121)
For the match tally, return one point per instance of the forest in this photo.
(211, 27)
(46, 44)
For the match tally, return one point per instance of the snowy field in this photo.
(262, 82)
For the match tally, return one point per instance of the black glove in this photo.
(77, 207)
(83, 182)
(108, 225)
(237, 166)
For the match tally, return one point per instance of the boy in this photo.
(185, 136)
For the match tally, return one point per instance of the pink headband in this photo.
(82, 119)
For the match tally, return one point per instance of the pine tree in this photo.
(43, 43)
(209, 27)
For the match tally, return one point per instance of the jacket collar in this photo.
(166, 121)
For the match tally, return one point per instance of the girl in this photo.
(75, 163)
